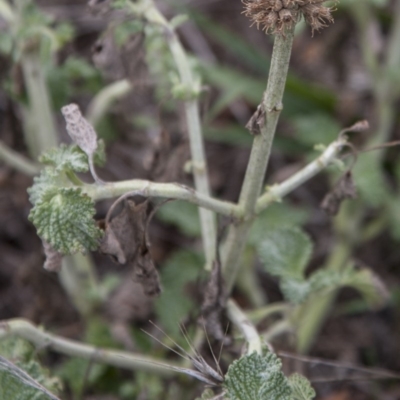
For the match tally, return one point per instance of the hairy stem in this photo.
(207, 218)
(254, 178)
(239, 318)
(43, 134)
(165, 190)
(42, 339)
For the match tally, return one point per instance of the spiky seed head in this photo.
(278, 16)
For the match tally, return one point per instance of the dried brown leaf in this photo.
(125, 240)
(214, 303)
(344, 189)
(53, 258)
(257, 121)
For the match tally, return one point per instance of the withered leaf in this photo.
(344, 189)
(125, 240)
(257, 121)
(53, 258)
(214, 303)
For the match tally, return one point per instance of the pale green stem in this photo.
(78, 268)
(259, 314)
(207, 218)
(248, 282)
(42, 339)
(43, 134)
(240, 320)
(102, 102)
(277, 329)
(15, 160)
(164, 190)
(276, 192)
(254, 178)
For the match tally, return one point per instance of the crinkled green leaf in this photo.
(277, 215)
(370, 286)
(19, 360)
(65, 157)
(285, 252)
(364, 281)
(16, 384)
(257, 377)
(64, 218)
(295, 290)
(47, 180)
(301, 387)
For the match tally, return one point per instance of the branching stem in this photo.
(254, 178)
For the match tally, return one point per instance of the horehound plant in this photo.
(64, 207)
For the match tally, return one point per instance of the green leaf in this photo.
(64, 218)
(276, 216)
(16, 384)
(369, 179)
(183, 215)
(47, 180)
(174, 303)
(316, 128)
(295, 290)
(301, 387)
(65, 157)
(364, 281)
(77, 372)
(257, 377)
(285, 252)
(21, 376)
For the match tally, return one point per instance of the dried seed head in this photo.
(278, 16)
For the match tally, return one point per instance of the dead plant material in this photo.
(257, 121)
(125, 240)
(213, 305)
(53, 258)
(279, 16)
(344, 189)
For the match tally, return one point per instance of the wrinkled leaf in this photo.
(65, 157)
(285, 252)
(257, 377)
(301, 387)
(64, 218)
